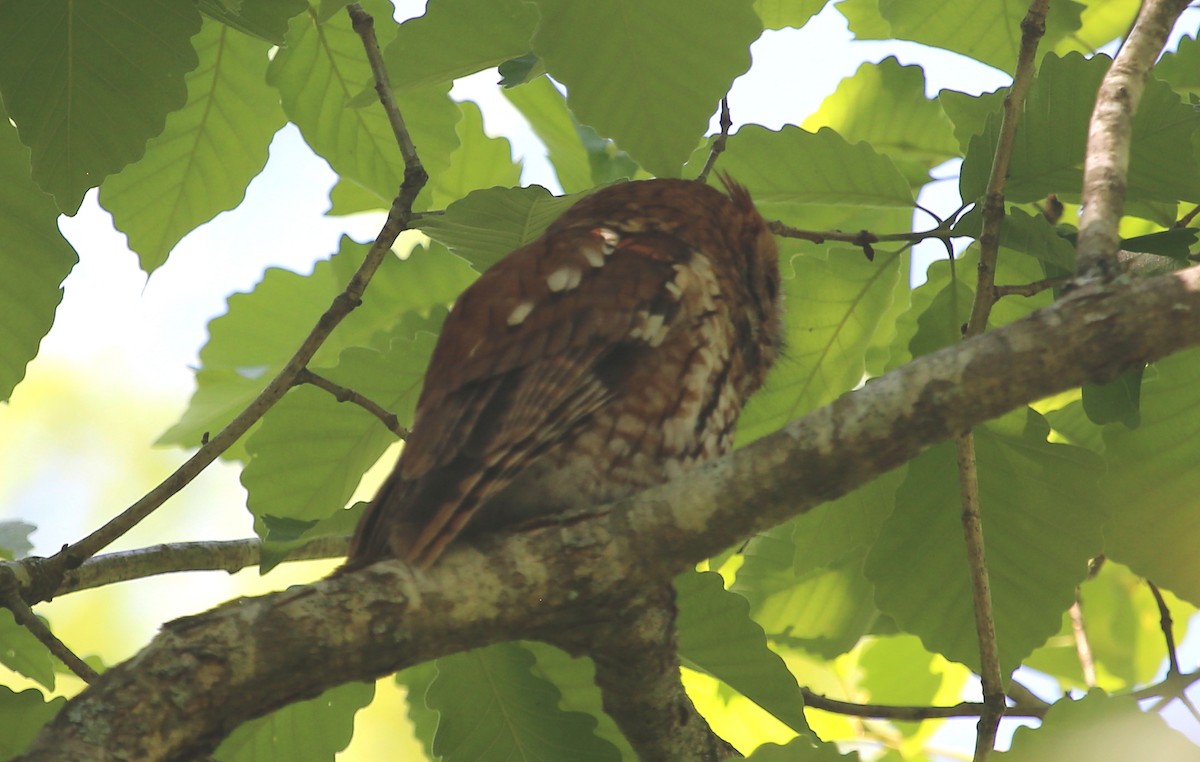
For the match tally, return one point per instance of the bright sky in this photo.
(122, 336)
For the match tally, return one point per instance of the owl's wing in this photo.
(536, 345)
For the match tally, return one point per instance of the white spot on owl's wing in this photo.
(564, 279)
(519, 313)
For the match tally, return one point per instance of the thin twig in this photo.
(1083, 648)
(1030, 289)
(718, 145)
(345, 394)
(911, 713)
(364, 25)
(219, 555)
(25, 617)
(981, 594)
(1186, 219)
(1110, 131)
(1033, 27)
(399, 216)
(1167, 625)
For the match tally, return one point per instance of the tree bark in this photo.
(204, 675)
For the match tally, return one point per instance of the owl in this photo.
(611, 354)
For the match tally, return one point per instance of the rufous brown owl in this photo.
(609, 355)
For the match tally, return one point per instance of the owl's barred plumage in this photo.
(607, 356)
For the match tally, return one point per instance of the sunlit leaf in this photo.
(1041, 525)
(306, 731)
(87, 84)
(491, 706)
(656, 88)
(206, 156)
(34, 257)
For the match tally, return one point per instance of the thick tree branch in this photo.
(1110, 130)
(204, 675)
(637, 670)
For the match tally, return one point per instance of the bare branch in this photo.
(1033, 27)
(344, 394)
(1083, 648)
(1030, 289)
(1167, 626)
(25, 617)
(981, 595)
(364, 25)
(913, 713)
(225, 555)
(204, 674)
(1110, 131)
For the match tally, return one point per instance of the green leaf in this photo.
(322, 76)
(970, 112)
(844, 528)
(824, 612)
(492, 706)
(1099, 727)
(87, 84)
(282, 536)
(21, 652)
(717, 637)
(34, 257)
(840, 298)
(1181, 68)
(1117, 401)
(519, 70)
(778, 14)
(260, 331)
(792, 168)
(416, 681)
(1027, 233)
(545, 108)
(1123, 632)
(801, 749)
(1176, 243)
(264, 19)
(479, 162)
(864, 19)
(884, 104)
(310, 451)
(1102, 22)
(986, 30)
(638, 80)
(488, 224)
(206, 156)
(14, 539)
(1051, 139)
(307, 731)
(941, 305)
(1041, 526)
(456, 38)
(1152, 483)
(576, 681)
(24, 715)
(897, 670)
